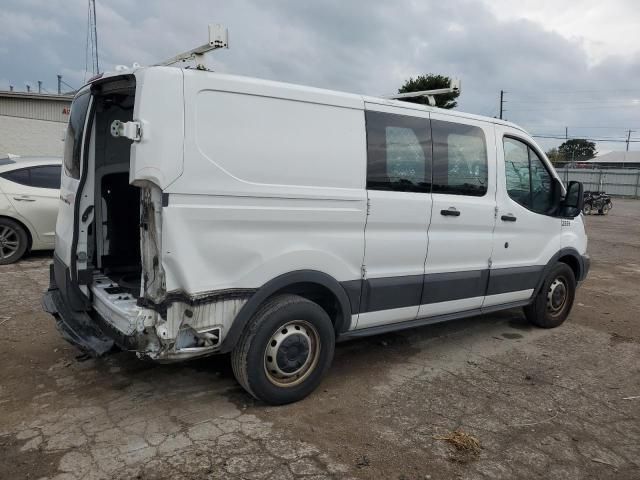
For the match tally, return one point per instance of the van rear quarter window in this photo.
(398, 152)
(73, 138)
(460, 165)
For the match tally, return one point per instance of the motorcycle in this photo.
(597, 202)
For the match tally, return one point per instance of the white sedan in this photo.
(29, 198)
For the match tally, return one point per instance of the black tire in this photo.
(13, 241)
(546, 311)
(250, 358)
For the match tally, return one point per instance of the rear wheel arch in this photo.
(313, 285)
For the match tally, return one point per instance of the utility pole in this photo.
(501, 102)
(59, 84)
(566, 133)
(39, 86)
(628, 138)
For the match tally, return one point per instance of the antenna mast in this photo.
(92, 39)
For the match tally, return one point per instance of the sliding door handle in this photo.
(450, 212)
(508, 218)
(24, 198)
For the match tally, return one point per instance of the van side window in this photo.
(528, 180)
(460, 165)
(398, 153)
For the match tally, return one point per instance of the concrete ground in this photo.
(562, 403)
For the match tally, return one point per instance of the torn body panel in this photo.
(161, 325)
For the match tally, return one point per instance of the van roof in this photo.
(341, 97)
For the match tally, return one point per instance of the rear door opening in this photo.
(108, 248)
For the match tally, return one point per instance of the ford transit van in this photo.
(203, 213)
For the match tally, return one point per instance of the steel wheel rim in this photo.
(292, 353)
(9, 241)
(557, 296)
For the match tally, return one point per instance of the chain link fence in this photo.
(624, 182)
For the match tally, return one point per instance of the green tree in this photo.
(555, 156)
(430, 82)
(577, 150)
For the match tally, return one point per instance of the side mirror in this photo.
(573, 201)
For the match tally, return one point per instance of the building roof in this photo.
(616, 157)
(65, 97)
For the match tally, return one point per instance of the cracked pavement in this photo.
(562, 403)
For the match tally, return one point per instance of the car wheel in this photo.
(551, 306)
(13, 241)
(285, 350)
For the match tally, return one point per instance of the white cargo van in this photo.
(204, 213)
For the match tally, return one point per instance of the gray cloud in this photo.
(359, 46)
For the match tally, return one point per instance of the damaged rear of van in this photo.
(172, 259)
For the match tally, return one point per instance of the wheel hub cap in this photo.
(292, 353)
(557, 296)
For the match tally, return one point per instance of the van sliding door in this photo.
(461, 229)
(398, 190)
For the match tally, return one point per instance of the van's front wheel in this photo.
(553, 303)
(285, 350)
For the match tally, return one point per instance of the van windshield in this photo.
(73, 138)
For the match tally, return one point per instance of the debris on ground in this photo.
(363, 461)
(463, 442)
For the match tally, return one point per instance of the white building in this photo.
(33, 123)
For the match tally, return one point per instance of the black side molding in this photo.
(419, 322)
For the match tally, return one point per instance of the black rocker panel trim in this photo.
(376, 294)
(504, 280)
(391, 292)
(444, 287)
(422, 321)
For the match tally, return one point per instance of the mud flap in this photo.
(77, 328)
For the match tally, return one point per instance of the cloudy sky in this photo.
(562, 63)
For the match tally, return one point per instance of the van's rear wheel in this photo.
(553, 303)
(285, 350)
(13, 241)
